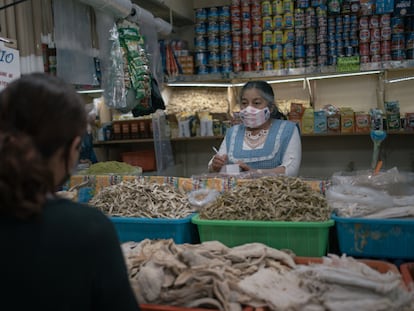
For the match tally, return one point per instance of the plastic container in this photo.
(407, 273)
(144, 159)
(303, 238)
(376, 238)
(138, 229)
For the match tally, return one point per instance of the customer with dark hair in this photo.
(265, 142)
(55, 254)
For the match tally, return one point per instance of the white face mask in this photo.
(253, 117)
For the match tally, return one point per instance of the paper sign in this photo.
(9, 65)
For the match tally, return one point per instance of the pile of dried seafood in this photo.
(216, 276)
(272, 198)
(139, 198)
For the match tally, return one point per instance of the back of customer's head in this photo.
(39, 115)
(267, 93)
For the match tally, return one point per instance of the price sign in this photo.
(347, 64)
(9, 65)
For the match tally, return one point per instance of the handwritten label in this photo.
(347, 64)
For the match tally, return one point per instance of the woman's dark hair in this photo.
(39, 114)
(267, 93)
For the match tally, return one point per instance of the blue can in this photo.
(224, 13)
(299, 51)
(201, 15)
(200, 29)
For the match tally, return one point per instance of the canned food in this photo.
(216, 68)
(237, 55)
(225, 56)
(363, 22)
(213, 58)
(201, 58)
(257, 54)
(277, 52)
(299, 36)
(310, 18)
(237, 41)
(277, 7)
(289, 64)
(386, 57)
(236, 25)
(310, 50)
(266, 8)
(245, 12)
(224, 27)
(257, 65)
(224, 13)
(248, 67)
(322, 60)
(397, 25)
(386, 33)
(374, 21)
(237, 67)
(246, 40)
(397, 42)
(202, 69)
(299, 51)
(267, 37)
(364, 35)
(201, 15)
(267, 65)
(385, 20)
(288, 36)
(311, 62)
(256, 40)
(375, 48)
(247, 55)
(212, 28)
(246, 27)
(256, 26)
(288, 6)
(200, 43)
(278, 22)
(310, 36)
(213, 43)
(364, 49)
(278, 64)
(386, 47)
(267, 53)
(410, 41)
(200, 29)
(235, 11)
(288, 21)
(226, 67)
(398, 55)
(225, 42)
(375, 34)
(322, 49)
(300, 62)
(212, 14)
(288, 51)
(267, 23)
(299, 18)
(364, 59)
(375, 58)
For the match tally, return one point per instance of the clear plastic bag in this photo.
(202, 198)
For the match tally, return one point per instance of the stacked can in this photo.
(311, 42)
(213, 40)
(410, 37)
(398, 45)
(374, 37)
(321, 35)
(258, 25)
(200, 41)
(225, 40)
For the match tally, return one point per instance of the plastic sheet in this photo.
(162, 143)
(117, 8)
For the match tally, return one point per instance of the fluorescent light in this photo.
(340, 75)
(90, 91)
(287, 80)
(200, 84)
(399, 80)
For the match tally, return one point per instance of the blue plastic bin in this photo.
(138, 229)
(376, 238)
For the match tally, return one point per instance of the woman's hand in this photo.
(218, 161)
(244, 167)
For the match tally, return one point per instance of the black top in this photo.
(69, 259)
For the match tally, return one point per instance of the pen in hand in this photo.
(215, 150)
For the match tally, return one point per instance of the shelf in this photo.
(202, 138)
(284, 75)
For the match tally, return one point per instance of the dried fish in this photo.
(139, 198)
(269, 198)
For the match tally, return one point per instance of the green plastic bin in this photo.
(303, 238)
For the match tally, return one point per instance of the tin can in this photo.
(288, 51)
(201, 58)
(246, 27)
(386, 33)
(248, 67)
(237, 55)
(267, 53)
(349, 50)
(385, 20)
(212, 28)
(257, 40)
(364, 35)
(237, 67)
(236, 25)
(267, 37)
(288, 6)
(310, 18)
(277, 52)
(257, 26)
(224, 13)
(288, 21)
(299, 51)
(267, 65)
(257, 65)
(311, 62)
(375, 34)
(213, 58)
(374, 21)
(236, 41)
(245, 12)
(321, 21)
(224, 27)
(201, 15)
(226, 67)
(235, 11)
(322, 60)
(386, 57)
(246, 40)
(267, 23)
(386, 47)
(363, 22)
(310, 50)
(299, 36)
(213, 43)
(397, 42)
(364, 59)
(397, 24)
(299, 18)
(226, 56)
(257, 54)
(225, 42)
(300, 62)
(266, 8)
(247, 55)
(216, 68)
(200, 43)
(322, 49)
(375, 58)
(278, 22)
(374, 48)
(288, 36)
(289, 64)
(310, 36)
(409, 44)
(200, 29)
(212, 14)
(364, 49)
(277, 7)
(398, 55)
(278, 65)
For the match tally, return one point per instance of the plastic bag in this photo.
(202, 198)
(356, 201)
